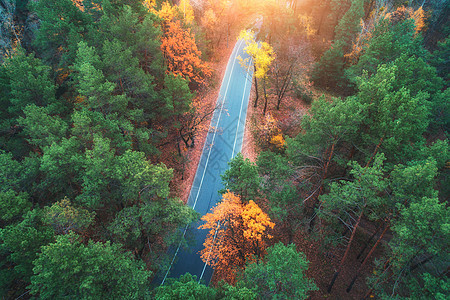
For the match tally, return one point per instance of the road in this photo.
(224, 141)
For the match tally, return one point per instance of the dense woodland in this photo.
(93, 92)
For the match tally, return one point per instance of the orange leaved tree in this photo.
(237, 233)
(178, 44)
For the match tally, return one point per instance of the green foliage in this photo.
(432, 287)
(277, 173)
(364, 193)
(24, 80)
(10, 171)
(140, 226)
(13, 206)
(394, 116)
(177, 95)
(228, 292)
(120, 179)
(416, 75)
(95, 91)
(62, 27)
(102, 270)
(422, 230)
(423, 227)
(330, 122)
(329, 71)
(19, 246)
(60, 165)
(88, 124)
(413, 181)
(27, 82)
(388, 42)
(186, 287)
(440, 59)
(349, 24)
(40, 128)
(440, 110)
(241, 178)
(280, 275)
(65, 218)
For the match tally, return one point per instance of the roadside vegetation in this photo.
(343, 188)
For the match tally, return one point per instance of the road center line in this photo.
(232, 154)
(209, 154)
(240, 111)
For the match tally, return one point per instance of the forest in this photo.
(342, 188)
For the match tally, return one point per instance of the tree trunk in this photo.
(386, 266)
(367, 258)
(265, 97)
(341, 264)
(422, 262)
(368, 242)
(256, 88)
(375, 151)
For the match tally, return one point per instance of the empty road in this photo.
(223, 142)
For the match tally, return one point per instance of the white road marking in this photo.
(207, 160)
(232, 154)
(240, 111)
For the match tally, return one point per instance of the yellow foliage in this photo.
(255, 222)
(188, 13)
(150, 4)
(403, 13)
(278, 141)
(167, 12)
(261, 53)
(209, 19)
(306, 22)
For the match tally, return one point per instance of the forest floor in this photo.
(323, 261)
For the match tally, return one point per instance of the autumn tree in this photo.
(237, 232)
(290, 64)
(261, 56)
(180, 50)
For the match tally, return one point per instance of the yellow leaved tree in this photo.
(261, 55)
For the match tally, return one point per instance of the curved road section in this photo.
(223, 142)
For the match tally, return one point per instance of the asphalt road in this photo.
(224, 141)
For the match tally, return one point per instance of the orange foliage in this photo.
(179, 48)
(237, 233)
(402, 13)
